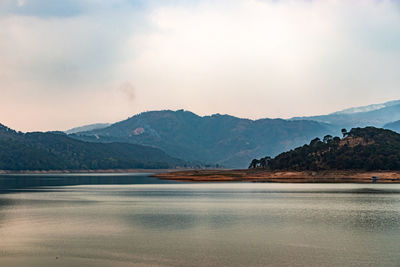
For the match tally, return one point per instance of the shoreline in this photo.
(87, 171)
(241, 175)
(265, 176)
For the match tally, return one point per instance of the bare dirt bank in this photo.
(260, 175)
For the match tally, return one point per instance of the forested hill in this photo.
(360, 149)
(218, 139)
(56, 151)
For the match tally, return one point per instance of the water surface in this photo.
(125, 220)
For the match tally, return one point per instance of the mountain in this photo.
(373, 115)
(89, 127)
(216, 139)
(368, 108)
(395, 126)
(360, 149)
(57, 151)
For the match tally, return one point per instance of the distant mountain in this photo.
(89, 127)
(222, 139)
(56, 151)
(373, 115)
(368, 108)
(395, 126)
(361, 149)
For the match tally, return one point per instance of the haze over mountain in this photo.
(89, 127)
(56, 151)
(372, 115)
(216, 139)
(395, 126)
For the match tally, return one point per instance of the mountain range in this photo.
(160, 139)
(218, 139)
(372, 115)
(230, 141)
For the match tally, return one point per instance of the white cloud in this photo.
(244, 57)
(20, 3)
(263, 58)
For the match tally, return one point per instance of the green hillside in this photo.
(360, 149)
(56, 151)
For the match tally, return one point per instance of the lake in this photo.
(135, 220)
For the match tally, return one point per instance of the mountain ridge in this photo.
(217, 139)
(88, 127)
(376, 115)
(366, 108)
(230, 141)
(394, 126)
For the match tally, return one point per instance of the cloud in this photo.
(244, 57)
(20, 3)
(65, 8)
(42, 8)
(269, 58)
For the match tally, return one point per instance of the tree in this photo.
(327, 138)
(254, 163)
(264, 162)
(315, 141)
(267, 160)
(344, 132)
(363, 149)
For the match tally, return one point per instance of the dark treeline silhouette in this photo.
(360, 149)
(263, 162)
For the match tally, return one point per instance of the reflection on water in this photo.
(18, 181)
(200, 224)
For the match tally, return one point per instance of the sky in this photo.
(74, 62)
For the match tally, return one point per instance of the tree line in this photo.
(359, 149)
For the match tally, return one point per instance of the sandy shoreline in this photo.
(245, 175)
(281, 176)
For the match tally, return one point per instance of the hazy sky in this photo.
(73, 62)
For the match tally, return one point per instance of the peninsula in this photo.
(363, 155)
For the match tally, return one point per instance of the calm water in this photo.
(125, 220)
